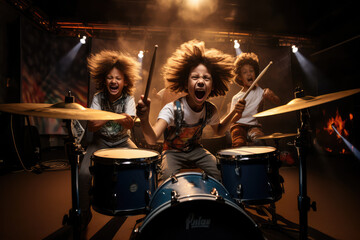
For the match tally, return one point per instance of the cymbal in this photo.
(306, 102)
(59, 110)
(278, 135)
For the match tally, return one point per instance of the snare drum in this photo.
(123, 180)
(195, 206)
(251, 174)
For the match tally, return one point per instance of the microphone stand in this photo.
(302, 144)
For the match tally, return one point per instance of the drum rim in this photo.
(126, 161)
(242, 157)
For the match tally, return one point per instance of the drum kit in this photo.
(125, 182)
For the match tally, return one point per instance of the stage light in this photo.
(294, 48)
(141, 54)
(83, 40)
(237, 47)
(236, 44)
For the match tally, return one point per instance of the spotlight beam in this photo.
(348, 144)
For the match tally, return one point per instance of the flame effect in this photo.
(339, 125)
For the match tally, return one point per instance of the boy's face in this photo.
(247, 75)
(115, 83)
(199, 86)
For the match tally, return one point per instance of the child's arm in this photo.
(151, 133)
(95, 125)
(127, 122)
(224, 124)
(271, 96)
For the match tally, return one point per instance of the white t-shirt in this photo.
(190, 117)
(253, 100)
(112, 132)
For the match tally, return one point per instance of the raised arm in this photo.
(151, 133)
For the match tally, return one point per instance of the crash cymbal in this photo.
(59, 110)
(306, 102)
(278, 135)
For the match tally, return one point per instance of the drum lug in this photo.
(237, 170)
(204, 176)
(174, 179)
(174, 197)
(239, 190)
(216, 194)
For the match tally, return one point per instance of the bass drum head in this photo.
(199, 219)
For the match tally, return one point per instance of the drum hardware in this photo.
(204, 176)
(173, 179)
(302, 141)
(237, 170)
(174, 197)
(239, 191)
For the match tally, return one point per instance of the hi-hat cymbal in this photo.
(278, 135)
(59, 110)
(306, 102)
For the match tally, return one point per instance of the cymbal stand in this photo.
(73, 151)
(302, 144)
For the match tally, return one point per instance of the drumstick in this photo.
(237, 116)
(150, 75)
(256, 80)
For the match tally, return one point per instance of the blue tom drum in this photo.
(123, 180)
(251, 174)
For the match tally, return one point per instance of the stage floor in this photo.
(32, 205)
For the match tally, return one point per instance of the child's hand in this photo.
(238, 109)
(240, 106)
(127, 122)
(143, 108)
(271, 96)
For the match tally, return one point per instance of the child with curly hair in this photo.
(114, 74)
(201, 73)
(245, 128)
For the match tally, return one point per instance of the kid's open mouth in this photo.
(199, 94)
(114, 87)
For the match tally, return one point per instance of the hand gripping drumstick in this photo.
(150, 75)
(237, 116)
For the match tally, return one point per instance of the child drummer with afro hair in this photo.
(201, 73)
(246, 128)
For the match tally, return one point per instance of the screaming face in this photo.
(115, 83)
(247, 75)
(199, 87)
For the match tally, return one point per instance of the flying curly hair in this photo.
(188, 56)
(243, 59)
(101, 64)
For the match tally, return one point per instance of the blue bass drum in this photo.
(251, 174)
(195, 206)
(123, 180)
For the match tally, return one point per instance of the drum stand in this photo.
(302, 144)
(73, 150)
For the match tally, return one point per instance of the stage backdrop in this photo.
(50, 67)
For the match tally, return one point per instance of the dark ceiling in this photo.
(329, 22)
